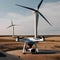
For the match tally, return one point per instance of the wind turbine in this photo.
(32, 41)
(37, 13)
(12, 25)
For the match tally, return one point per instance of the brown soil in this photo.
(9, 45)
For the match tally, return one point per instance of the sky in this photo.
(24, 18)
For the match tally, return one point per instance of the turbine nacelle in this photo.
(36, 11)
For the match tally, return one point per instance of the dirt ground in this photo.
(49, 49)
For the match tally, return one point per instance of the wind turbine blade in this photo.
(39, 4)
(14, 25)
(9, 26)
(11, 22)
(26, 7)
(45, 18)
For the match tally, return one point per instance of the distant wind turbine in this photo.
(37, 13)
(12, 25)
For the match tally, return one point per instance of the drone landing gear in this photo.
(30, 50)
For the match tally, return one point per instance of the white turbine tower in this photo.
(37, 13)
(13, 29)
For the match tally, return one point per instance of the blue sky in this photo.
(25, 18)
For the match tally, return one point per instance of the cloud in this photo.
(51, 11)
(26, 23)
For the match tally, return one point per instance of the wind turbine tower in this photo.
(13, 28)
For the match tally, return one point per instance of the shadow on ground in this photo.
(47, 52)
(2, 54)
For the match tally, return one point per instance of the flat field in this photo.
(48, 50)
